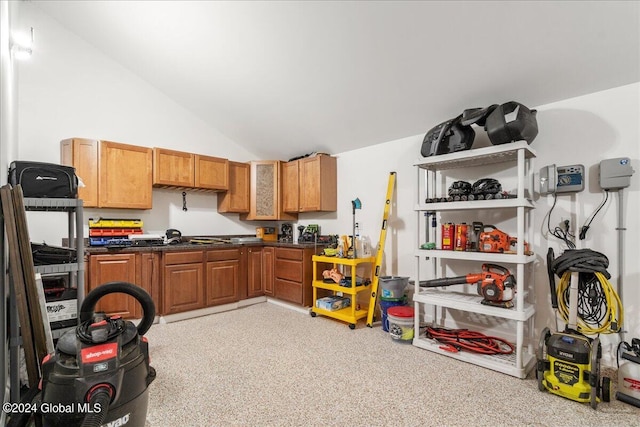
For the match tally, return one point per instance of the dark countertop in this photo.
(194, 247)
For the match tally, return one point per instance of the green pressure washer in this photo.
(568, 363)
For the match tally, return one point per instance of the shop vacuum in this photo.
(99, 374)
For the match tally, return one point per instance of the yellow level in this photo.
(380, 251)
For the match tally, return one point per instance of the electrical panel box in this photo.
(615, 173)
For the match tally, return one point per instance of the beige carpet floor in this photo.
(267, 365)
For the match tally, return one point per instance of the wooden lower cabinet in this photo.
(255, 279)
(293, 272)
(136, 268)
(150, 276)
(183, 281)
(268, 263)
(223, 276)
(180, 281)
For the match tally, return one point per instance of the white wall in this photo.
(586, 130)
(582, 130)
(69, 89)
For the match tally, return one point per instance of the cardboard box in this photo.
(267, 234)
(333, 303)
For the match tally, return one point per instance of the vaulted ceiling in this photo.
(285, 78)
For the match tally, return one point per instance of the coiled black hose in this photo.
(148, 307)
(100, 400)
(582, 261)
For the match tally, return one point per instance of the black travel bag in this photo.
(48, 180)
(504, 123)
(44, 254)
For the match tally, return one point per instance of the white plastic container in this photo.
(629, 379)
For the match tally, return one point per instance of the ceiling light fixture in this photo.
(22, 44)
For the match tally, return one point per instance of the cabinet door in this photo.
(114, 268)
(149, 271)
(268, 259)
(222, 282)
(183, 288)
(82, 154)
(125, 176)
(211, 173)
(290, 186)
(254, 272)
(266, 187)
(318, 184)
(236, 198)
(264, 190)
(173, 168)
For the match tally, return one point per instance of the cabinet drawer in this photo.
(285, 253)
(289, 270)
(171, 258)
(223, 254)
(288, 291)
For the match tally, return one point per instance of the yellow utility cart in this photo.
(353, 312)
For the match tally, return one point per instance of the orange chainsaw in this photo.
(498, 241)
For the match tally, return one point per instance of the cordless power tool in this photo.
(496, 285)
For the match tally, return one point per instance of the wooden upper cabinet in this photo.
(310, 184)
(114, 175)
(173, 168)
(236, 198)
(290, 186)
(265, 194)
(125, 176)
(186, 170)
(83, 155)
(211, 173)
(318, 184)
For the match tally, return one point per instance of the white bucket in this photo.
(401, 325)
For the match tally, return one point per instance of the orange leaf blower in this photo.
(495, 284)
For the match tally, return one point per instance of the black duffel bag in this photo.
(48, 180)
(44, 254)
(504, 123)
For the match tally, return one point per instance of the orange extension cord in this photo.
(455, 340)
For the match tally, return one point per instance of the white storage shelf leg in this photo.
(433, 302)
